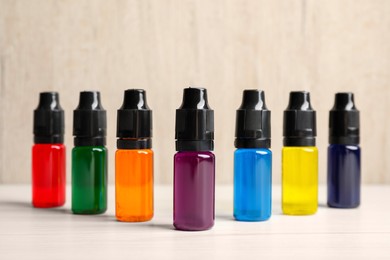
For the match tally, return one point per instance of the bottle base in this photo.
(343, 206)
(245, 218)
(298, 211)
(88, 212)
(47, 205)
(134, 218)
(185, 227)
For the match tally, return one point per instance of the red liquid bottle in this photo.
(48, 153)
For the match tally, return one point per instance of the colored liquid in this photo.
(48, 175)
(134, 185)
(194, 185)
(89, 179)
(343, 176)
(299, 180)
(252, 184)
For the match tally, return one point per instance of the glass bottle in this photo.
(194, 163)
(252, 159)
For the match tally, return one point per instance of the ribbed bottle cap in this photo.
(344, 121)
(134, 121)
(299, 121)
(253, 121)
(194, 122)
(89, 120)
(49, 122)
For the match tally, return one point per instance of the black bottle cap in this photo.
(134, 121)
(89, 120)
(49, 122)
(253, 121)
(194, 122)
(344, 121)
(299, 121)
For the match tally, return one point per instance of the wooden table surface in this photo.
(29, 233)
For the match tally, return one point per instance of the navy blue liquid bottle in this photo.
(344, 153)
(252, 159)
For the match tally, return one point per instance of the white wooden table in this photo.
(29, 233)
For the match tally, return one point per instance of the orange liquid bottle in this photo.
(134, 159)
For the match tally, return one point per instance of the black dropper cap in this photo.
(253, 121)
(134, 121)
(344, 121)
(89, 120)
(49, 120)
(194, 122)
(299, 122)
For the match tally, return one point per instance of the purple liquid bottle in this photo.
(344, 153)
(194, 163)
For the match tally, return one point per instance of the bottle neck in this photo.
(344, 140)
(52, 139)
(134, 143)
(252, 143)
(299, 141)
(90, 141)
(195, 145)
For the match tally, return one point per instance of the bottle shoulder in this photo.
(90, 148)
(48, 147)
(195, 154)
(134, 151)
(300, 149)
(343, 146)
(259, 151)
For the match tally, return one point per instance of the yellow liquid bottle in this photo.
(299, 157)
(299, 180)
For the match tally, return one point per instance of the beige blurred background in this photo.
(322, 46)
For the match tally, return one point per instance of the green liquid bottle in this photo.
(89, 156)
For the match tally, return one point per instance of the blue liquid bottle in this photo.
(252, 159)
(344, 153)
